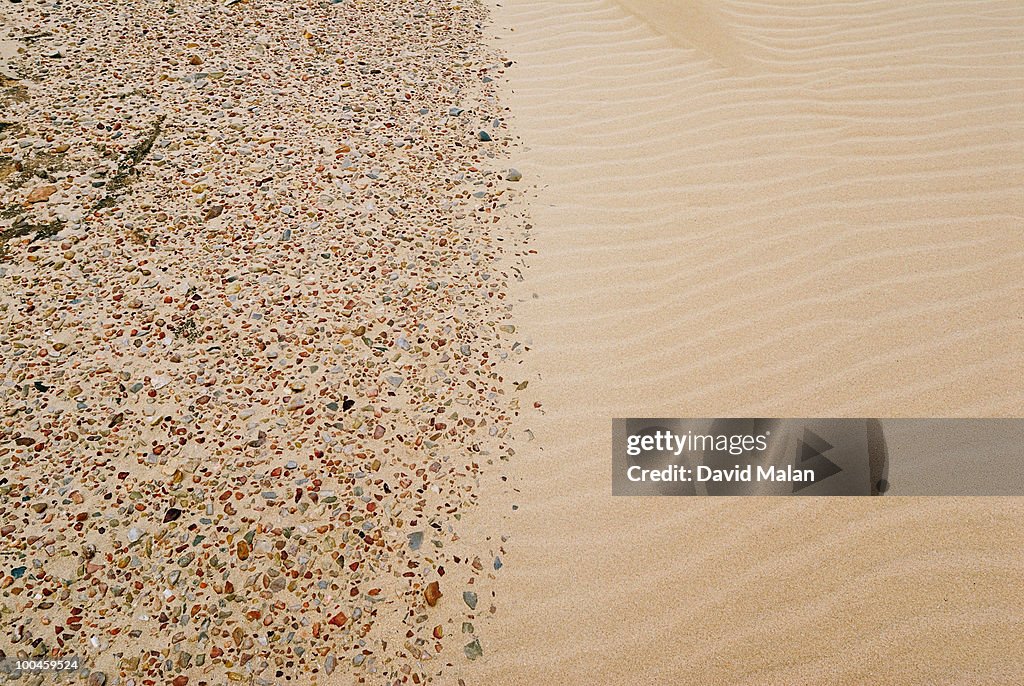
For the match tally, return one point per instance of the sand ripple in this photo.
(765, 209)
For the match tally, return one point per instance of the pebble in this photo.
(171, 515)
(513, 175)
(473, 649)
(41, 194)
(213, 212)
(432, 593)
(470, 598)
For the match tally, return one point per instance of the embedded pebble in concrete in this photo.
(254, 259)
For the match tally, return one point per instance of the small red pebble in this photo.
(338, 619)
(180, 680)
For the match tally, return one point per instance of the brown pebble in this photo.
(338, 619)
(41, 194)
(432, 593)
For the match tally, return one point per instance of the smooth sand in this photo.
(773, 209)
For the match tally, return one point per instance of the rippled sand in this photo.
(764, 209)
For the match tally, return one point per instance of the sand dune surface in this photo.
(763, 209)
